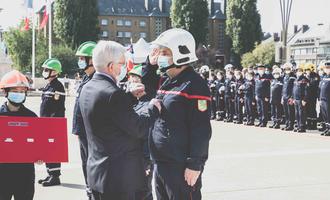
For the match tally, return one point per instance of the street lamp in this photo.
(285, 6)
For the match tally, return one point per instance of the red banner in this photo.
(28, 139)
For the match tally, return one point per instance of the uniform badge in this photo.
(202, 105)
(56, 96)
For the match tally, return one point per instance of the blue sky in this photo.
(303, 12)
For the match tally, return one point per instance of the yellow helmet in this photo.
(310, 67)
(301, 66)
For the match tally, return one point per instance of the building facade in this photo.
(126, 21)
(308, 44)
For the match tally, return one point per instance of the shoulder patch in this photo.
(202, 105)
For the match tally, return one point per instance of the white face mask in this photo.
(261, 72)
(238, 76)
(249, 78)
(327, 71)
(229, 76)
(276, 76)
(299, 74)
(287, 71)
(123, 72)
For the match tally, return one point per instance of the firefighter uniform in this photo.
(239, 101)
(314, 82)
(249, 100)
(16, 179)
(275, 101)
(180, 137)
(325, 102)
(230, 99)
(300, 94)
(288, 107)
(262, 91)
(220, 100)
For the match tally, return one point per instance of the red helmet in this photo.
(14, 79)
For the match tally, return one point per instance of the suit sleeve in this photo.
(127, 119)
(200, 129)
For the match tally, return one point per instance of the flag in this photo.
(26, 26)
(46, 14)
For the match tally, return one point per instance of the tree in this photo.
(19, 44)
(264, 53)
(243, 25)
(191, 15)
(76, 21)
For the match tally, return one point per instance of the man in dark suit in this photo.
(114, 130)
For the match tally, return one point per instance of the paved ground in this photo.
(245, 163)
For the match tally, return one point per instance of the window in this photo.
(143, 35)
(104, 22)
(303, 51)
(120, 22)
(143, 23)
(104, 33)
(159, 27)
(128, 34)
(128, 23)
(120, 34)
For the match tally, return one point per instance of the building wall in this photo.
(136, 27)
(309, 53)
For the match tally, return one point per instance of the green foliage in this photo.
(263, 54)
(243, 25)
(191, 15)
(67, 58)
(76, 21)
(19, 45)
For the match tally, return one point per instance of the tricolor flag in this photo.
(47, 11)
(29, 5)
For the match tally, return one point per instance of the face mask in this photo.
(45, 74)
(238, 76)
(163, 62)
(82, 64)
(123, 72)
(276, 76)
(16, 97)
(327, 71)
(299, 74)
(219, 77)
(261, 72)
(229, 76)
(287, 71)
(267, 72)
(249, 78)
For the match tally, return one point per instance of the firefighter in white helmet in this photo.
(180, 137)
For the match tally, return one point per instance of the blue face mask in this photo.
(16, 97)
(82, 64)
(163, 62)
(123, 72)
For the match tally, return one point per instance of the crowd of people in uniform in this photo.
(144, 133)
(297, 96)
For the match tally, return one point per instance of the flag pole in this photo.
(50, 28)
(33, 47)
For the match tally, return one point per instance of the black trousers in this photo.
(300, 111)
(239, 109)
(84, 156)
(221, 105)
(169, 183)
(311, 111)
(276, 112)
(53, 169)
(213, 106)
(325, 111)
(249, 110)
(289, 113)
(230, 108)
(118, 196)
(262, 110)
(18, 186)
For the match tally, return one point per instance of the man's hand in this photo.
(153, 56)
(266, 99)
(137, 90)
(303, 103)
(157, 103)
(191, 176)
